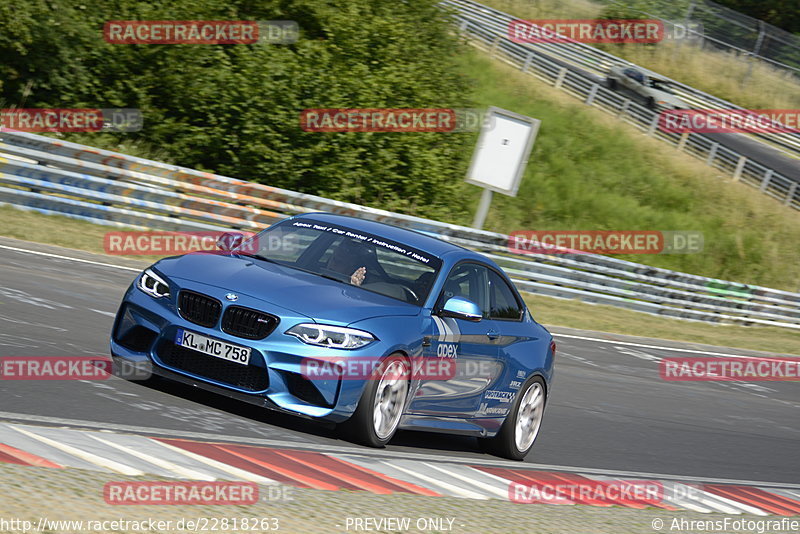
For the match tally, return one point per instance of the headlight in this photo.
(335, 337)
(153, 285)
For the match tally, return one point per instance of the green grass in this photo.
(58, 230)
(750, 84)
(589, 171)
(76, 234)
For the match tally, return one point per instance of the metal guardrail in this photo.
(595, 61)
(489, 28)
(729, 30)
(53, 176)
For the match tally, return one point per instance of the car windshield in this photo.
(349, 256)
(661, 86)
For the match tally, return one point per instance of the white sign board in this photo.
(501, 155)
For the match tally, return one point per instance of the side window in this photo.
(468, 280)
(503, 303)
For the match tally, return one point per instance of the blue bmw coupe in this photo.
(360, 323)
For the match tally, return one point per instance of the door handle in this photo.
(492, 334)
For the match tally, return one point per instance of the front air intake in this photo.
(247, 323)
(198, 308)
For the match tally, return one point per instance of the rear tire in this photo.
(611, 83)
(382, 404)
(519, 431)
(651, 103)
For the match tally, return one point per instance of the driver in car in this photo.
(349, 255)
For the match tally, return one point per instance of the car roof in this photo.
(423, 242)
(649, 73)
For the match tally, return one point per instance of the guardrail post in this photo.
(765, 181)
(561, 75)
(495, 46)
(651, 130)
(739, 168)
(528, 60)
(463, 27)
(591, 95)
(790, 194)
(712, 154)
(681, 146)
(624, 109)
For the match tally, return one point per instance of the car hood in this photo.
(304, 293)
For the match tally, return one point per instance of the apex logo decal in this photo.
(520, 374)
(447, 350)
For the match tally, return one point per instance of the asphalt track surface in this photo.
(609, 409)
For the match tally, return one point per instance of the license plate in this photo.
(212, 347)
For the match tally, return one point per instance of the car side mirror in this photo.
(461, 308)
(229, 241)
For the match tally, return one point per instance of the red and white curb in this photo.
(135, 455)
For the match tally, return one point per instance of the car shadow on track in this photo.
(325, 432)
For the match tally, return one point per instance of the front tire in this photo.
(519, 431)
(611, 83)
(382, 404)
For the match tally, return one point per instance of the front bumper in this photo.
(145, 329)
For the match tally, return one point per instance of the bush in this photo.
(234, 109)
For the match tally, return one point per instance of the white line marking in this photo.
(70, 258)
(676, 349)
(103, 312)
(182, 472)
(492, 490)
(725, 504)
(455, 331)
(235, 471)
(793, 495)
(83, 455)
(446, 331)
(683, 501)
(389, 455)
(452, 488)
